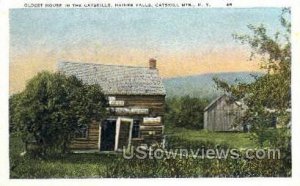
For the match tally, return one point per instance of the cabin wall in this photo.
(155, 104)
(151, 131)
(89, 143)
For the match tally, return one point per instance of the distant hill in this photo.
(203, 86)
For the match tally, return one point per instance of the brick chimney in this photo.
(152, 63)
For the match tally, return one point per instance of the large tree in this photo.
(53, 107)
(269, 97)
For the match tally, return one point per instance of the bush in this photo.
(52, 108)
(230, 167)
(185, 112)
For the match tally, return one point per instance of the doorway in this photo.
(108, 133)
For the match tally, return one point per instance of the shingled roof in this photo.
(115, 79)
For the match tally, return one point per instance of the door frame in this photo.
(119, 120)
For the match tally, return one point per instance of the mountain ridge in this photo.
(202, 85)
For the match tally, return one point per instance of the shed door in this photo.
(123, 137)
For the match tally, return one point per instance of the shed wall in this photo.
(221, 116)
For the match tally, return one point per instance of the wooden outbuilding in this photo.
(223, 113)
(136, 97)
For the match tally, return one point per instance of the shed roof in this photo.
(214, 102)
(116, 79)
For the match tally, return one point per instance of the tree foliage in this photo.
(269, 96)
(53, 107)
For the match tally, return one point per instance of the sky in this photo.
(184, 41)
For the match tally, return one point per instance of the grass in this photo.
(68, 166)
(114, 165)
(93, 165)
(108, 165)
(233, 139)
(97, 165)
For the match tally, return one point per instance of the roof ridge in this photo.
(99, 64)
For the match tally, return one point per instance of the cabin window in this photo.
(82, 132)
(136, 129)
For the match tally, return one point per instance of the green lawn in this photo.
(234, 139)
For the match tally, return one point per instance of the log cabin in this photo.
(223, 113)
(136, 98)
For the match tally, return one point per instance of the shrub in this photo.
(52, 108)
(185, 112)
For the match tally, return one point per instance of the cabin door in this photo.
(124, 130)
